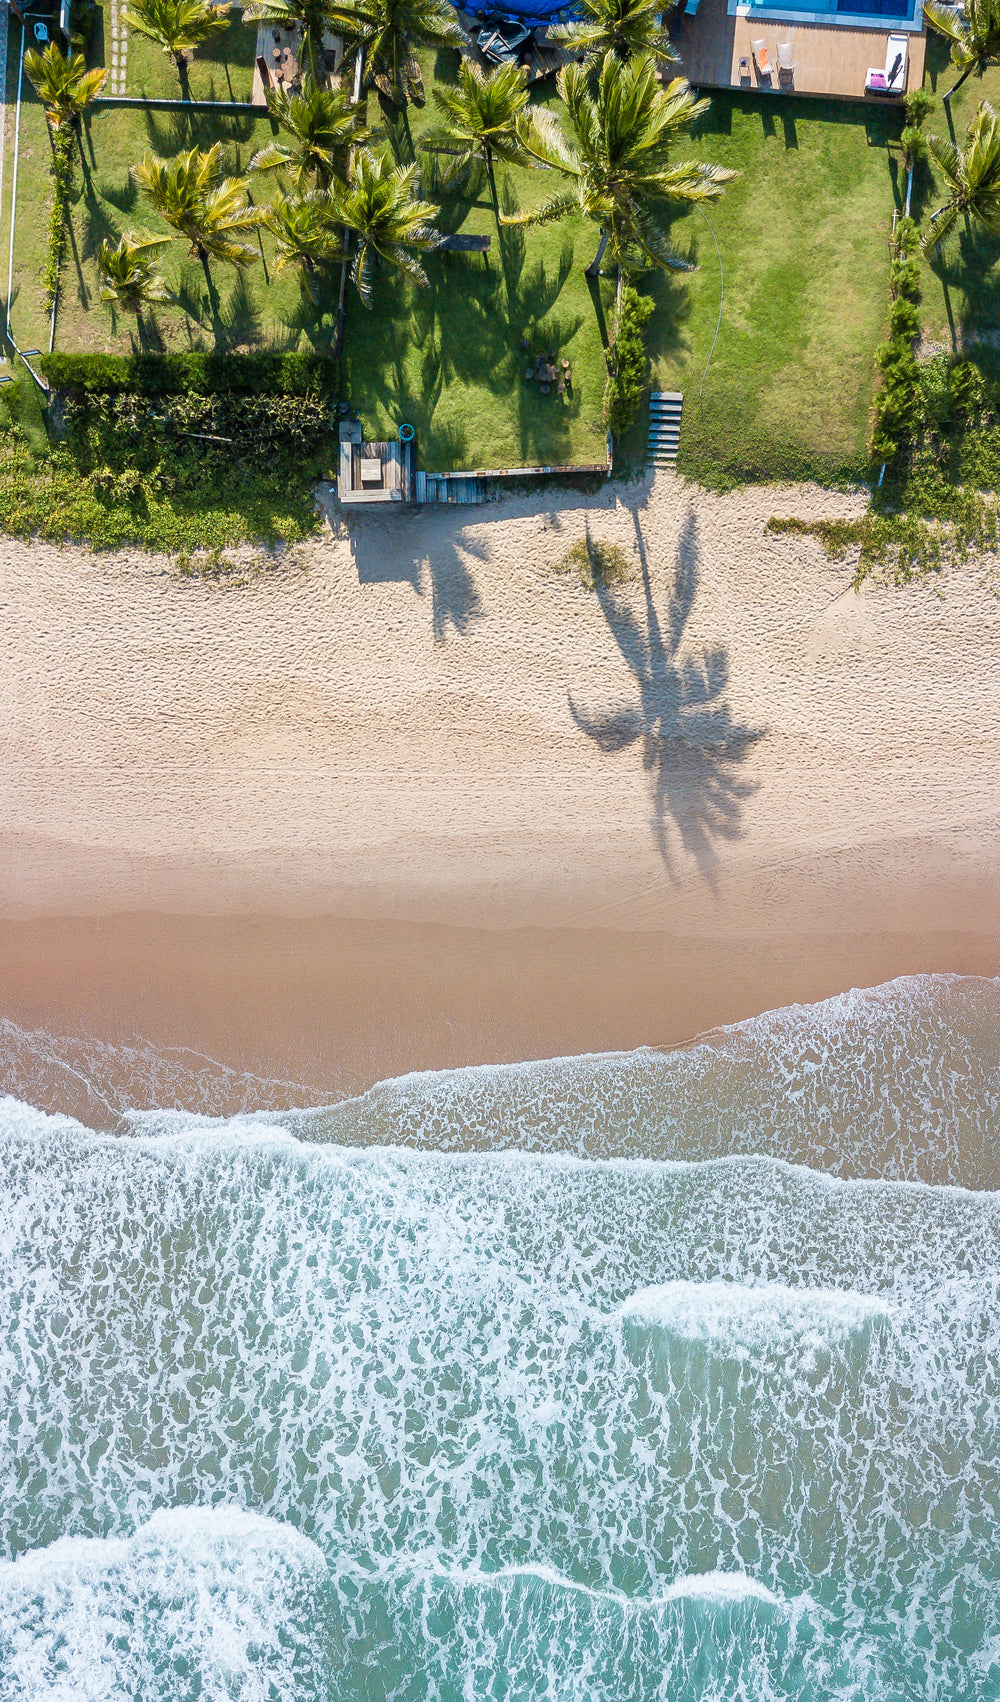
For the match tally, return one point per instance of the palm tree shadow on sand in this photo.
(692, 748)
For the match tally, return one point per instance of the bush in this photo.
(904, 320)
(918, 105)
(62, 174)
(174, 436)
(204, 374)
(627, 363)
(896, 412)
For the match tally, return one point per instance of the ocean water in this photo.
(639, 1376)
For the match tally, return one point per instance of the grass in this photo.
(802, 234)
(803, 239)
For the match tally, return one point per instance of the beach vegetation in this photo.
(598, 562)
(177, 27)
(385, 220)
(618, 159)
(64, 86)
(971, 178)
(129, 279)
(387, 34)
(629, 29)
(972, 32)
(211, 211)
(321, 126)
(484, 115)
(628, 363)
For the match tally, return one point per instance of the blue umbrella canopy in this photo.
(533, 13)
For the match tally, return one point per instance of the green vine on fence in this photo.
(62, 176)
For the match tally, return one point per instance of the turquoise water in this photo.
(684, 1383)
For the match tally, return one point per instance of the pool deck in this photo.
(831, 60)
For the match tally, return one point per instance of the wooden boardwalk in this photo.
(829, 59)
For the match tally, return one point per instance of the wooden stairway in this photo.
(465, 487)
(664, 426)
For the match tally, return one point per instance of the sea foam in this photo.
(702, 1426)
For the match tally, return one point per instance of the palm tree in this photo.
(484, 115)
(629, 29)
(380, 208)
(128, 280)
(177, 27)
(974, 35)
(306, 235)
(322, 124)
(971, 176)
(618, 158)
(310, 17)
(210, 210)
(388, 31)
(64, 86)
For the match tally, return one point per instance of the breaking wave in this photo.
(555, 1381)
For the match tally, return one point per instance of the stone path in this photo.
(119, 52)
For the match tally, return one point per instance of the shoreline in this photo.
(418, 798)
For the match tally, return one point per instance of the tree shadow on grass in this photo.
(455, 604)
(692, 749)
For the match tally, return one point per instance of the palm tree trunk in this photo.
(488, 159)
(595, 265)
(966, 73)
(909, 188)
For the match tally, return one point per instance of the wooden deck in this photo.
(829, 59)
(395, 469)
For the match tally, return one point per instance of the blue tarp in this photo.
(533, 13)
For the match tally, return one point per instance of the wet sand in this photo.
(418, 799)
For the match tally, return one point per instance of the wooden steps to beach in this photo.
(664, 426)
(448, 487)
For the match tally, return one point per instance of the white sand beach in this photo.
(419, 722)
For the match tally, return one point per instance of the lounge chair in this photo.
(895, 64)
(786, 64)
(762, 62)
(891, 80)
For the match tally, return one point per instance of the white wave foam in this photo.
(741, 1314)
(225, 1598)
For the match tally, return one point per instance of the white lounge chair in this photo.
(762, 62)
(895, 64)
(786, 64)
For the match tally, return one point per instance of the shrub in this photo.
(918, 105)
(627, 363)
(62, 176)
(598, 562)
(205, 374)
(904, 320)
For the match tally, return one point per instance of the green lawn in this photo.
(803, 237)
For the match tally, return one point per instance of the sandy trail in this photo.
(422, 722)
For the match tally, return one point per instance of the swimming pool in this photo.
(857, 14)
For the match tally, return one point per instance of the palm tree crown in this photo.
(974, 35)
(627, 28)
(971, 176)
(64, 86)
(208, 209)
(309, 16)
(484, 113)
(128, 279)
(178, 26)
(619, 158)
(379, 206)
(306, 235)
(387, 31)
(322, 125)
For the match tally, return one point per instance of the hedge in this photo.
(205, 374)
